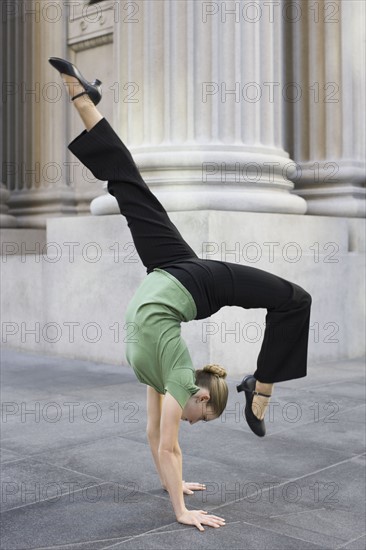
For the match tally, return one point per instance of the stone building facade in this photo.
(246, 119)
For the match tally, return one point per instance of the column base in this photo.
(224, 178)
(336, 200)
(209, 198)
(333, 188)
(6, 219)
(33, 207)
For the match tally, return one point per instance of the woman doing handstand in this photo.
(180, 287)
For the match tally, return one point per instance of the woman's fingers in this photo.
(195, 486)
(213, 523)
(215, 518)
(189, 487)
(198, 518)
(203, 518)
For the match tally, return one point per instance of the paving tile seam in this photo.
(349, 541)
(233, 382)
(293, 427)
(156, 532)
(350, 453)
(216, 461)
(103, 482)
(74, 393)
(342, 541)
(298, 513)
(50, 498)
(288, 536)
(13, 384)
(230, 380)
(79, 414)
(66, 447)
(302, 390)
(42, 461)
(351, 378)
(65, 397)
(134, 432)
(44, 354)
(316, 533)
(153, 532)
(13, 460)
(21, 456)
(73, 544)
(292, 480)
(321, 386)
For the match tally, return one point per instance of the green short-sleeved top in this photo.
(155, 348)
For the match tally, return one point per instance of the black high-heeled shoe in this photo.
(92, 89)
(248, 386)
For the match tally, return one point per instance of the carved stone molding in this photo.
(6, 220)
(90, 26)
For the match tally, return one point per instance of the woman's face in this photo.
(197, 409)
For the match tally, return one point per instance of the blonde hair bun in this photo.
(215, 369)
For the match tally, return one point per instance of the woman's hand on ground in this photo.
(199, 518)
(189, 487)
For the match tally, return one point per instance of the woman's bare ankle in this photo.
(72, 85)
(264, 387)
(89, 114)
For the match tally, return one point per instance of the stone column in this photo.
(327, 120)
(34, 167)
(200, 105)
(6, 219)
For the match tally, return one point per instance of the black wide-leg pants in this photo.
(213, 284)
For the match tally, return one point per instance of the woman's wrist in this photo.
(172, 467)
(181, 513)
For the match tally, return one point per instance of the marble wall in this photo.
(237, 106)
(246, 120)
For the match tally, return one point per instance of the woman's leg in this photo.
(283, 354)
(99, 148)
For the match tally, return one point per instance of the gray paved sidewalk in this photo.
(77, 472)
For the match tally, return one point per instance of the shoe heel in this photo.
(241, 387)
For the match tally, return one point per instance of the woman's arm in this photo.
(154, 446)
(169, 459)
(154, 402)
(169, 453)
